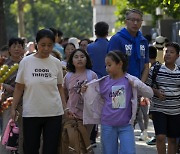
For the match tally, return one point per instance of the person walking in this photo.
(16, 50)
(130, 41)
(39, 80)
(119, 93)
(165, 105)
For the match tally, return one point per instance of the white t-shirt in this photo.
(41, 97)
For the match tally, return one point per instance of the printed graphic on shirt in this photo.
(128, 48)
(118, 96)
(41, 72)
(142, 50)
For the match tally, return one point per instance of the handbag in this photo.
(11, 136)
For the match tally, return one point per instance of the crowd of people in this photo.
(63, 88)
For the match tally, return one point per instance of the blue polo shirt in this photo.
(97, 52)
(136, 49)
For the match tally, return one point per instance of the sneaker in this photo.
(152, 141)
(93, 144)
(144, 136)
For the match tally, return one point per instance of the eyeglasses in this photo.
(133, 20)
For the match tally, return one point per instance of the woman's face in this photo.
(83, 45)
(79, 60)
(45, 47)
(16, 50)
(69, 49)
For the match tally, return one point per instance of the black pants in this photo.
(94, 134)
(49, 127)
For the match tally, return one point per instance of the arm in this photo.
(62, 94)
(18, 91)
(145, 72)
(142, 88)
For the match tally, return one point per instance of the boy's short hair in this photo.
(152, 52)
(101, 29)
(133, 11)
(174, 45)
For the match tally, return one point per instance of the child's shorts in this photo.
(168, 125)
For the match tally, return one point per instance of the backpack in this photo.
(155, 71)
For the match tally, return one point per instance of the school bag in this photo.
(155, 72)
(11, 136)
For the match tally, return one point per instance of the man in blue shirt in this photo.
(97, 52)
(98, 49)
(130, 41)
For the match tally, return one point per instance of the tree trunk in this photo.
(34, 17)
(20, 19)
(3, 34)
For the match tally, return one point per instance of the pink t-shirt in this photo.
(72, 84)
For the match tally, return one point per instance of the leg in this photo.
(171, 145)
(140, 119)
(51, 133)
(126, 136)
(109, 139)
(173, 132)
(144, 110)
(94, 134)
(160, 126)
(32, 128)
(161, 144)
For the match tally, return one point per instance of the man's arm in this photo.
(145, 72)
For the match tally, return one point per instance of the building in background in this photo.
(103, 10)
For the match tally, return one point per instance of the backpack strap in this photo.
(155, 71)
(68, 76)
(89, 75)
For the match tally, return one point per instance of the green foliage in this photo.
(170, 8)
(73, 17)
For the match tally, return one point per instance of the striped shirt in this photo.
(169, 82)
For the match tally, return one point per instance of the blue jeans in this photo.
(110, 136)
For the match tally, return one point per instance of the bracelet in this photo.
(66, 109)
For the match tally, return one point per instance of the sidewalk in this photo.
(141, 146)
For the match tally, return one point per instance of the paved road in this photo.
(141, 146)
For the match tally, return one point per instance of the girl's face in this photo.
(69, 49)
(112, 68)
(83, 45)
(79, 60)
(170, 55)
(45, 47)
(16, 50)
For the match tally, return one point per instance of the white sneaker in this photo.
(144, 136)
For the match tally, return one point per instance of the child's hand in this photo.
(83, 88)
(161, 95)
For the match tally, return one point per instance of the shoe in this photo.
(144, 136)
(93, 144)
(152, 141)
